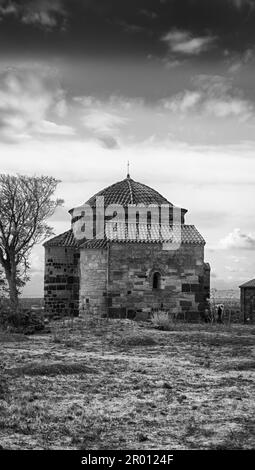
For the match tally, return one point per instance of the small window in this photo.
(185, 287)
(156, 281)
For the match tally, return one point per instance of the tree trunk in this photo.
(13, 291)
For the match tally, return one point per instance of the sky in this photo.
(86, 85)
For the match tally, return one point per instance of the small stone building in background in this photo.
(129, 270)
(247, 298)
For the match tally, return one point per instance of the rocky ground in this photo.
(118, 384)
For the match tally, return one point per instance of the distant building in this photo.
(247, 298)
(130, 268)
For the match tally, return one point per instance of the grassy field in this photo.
(118, 384)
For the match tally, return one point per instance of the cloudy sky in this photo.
(86, 85)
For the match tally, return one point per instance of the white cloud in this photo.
(32, 103)
(49, 127)
(29, 97)
(9, 8)
(36, 262)
(241, 3)
(182, 42)
(101, 121)
(235, 269)
(229, 106)
(237, 63)
(182, 102)
(44, 13)
(210, 111)
(212, 95)
(238, 240)
(112, 104)
(221, 99)
(213, 85)
(208, 166)
(172, 63)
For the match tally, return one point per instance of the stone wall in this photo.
(93, 280)
(248, 304)
(61, 281)
(120, 279)
(184, 278)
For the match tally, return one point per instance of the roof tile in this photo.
(142, 233)
(250, 283)
(127, 192)
(132, 233)
(65, 239)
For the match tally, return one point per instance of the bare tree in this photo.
(25, 205)
(3, 286)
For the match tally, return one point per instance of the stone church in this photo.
(134, 267)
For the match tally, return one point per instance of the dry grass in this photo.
(162, 320)
(57, 368)
(116, 384)
(135, 341)
(6, 337)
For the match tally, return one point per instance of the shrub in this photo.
(162, 320)
(24, 321)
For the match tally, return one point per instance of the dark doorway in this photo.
(156, 281)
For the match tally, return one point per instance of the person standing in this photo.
(220, 313)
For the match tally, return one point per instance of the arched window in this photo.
(156, 281)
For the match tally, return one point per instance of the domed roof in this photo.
(127, 192)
